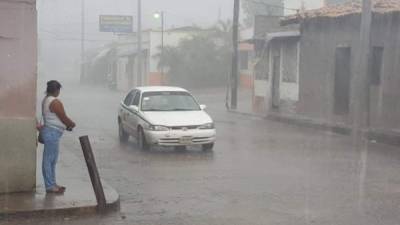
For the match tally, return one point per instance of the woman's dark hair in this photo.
(53, 86)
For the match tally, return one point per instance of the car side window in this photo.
(129, 98)
(136, 100)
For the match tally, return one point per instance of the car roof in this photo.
(159, 88)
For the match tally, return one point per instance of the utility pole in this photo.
(235, 57)
(162, 44)
(219, 14)
(360, 81)
(360, 96)
(161, 15)
(83, 70)
(140, 79)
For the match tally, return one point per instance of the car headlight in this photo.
(207, 126)
(157, 128)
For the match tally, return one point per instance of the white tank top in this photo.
(51, 119)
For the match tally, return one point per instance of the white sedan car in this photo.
(165, 116)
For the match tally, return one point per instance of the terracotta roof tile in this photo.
(352, 7)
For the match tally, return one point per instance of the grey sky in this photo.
(178, 12)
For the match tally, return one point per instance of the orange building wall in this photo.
(18, 41)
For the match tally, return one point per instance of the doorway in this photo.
(342, 81)
(276, 80)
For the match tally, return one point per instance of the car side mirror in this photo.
(203, 107)
(134, 108)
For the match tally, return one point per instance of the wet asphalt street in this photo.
(261, 172)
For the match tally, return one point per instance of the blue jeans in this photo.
(51, 138)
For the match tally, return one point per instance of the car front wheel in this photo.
(208, 147)
(141, 140)
(123, 136)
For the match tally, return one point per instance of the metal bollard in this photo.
(94, 173)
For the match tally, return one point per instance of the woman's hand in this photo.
(39, 126)
(70, 128)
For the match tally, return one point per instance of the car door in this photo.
(133, 119)
(125, 112)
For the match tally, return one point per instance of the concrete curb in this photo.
(381, 136)
(89, 208)
(68, 212)
(391, 138)
(247, 114)
(306, 122)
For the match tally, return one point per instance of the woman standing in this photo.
(55, 123)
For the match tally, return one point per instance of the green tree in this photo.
(222, 32)
(200, 60)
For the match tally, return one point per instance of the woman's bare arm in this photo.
(57, 107)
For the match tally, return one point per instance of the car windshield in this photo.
(168, 101)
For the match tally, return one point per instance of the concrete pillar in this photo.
(18, 41)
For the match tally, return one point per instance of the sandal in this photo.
(61, 187)
(55, 190)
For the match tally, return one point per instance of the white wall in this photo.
(122, 75)
(289, 91)
(290, 54)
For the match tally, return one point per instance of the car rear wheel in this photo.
(141, 140)
(208, 147)
(123, 136)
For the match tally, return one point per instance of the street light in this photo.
(157, 15)
(161, 15)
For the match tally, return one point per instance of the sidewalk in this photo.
(245, 104)
(381, 136)
(78, 199)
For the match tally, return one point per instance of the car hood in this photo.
(178, 118)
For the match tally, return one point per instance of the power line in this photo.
(57, 33)
(69, 23)
(73, 39)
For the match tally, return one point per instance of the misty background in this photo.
(59, 25)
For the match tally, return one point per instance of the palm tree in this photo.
(222, 32)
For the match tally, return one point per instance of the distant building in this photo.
(253, 9)
(276, 65)
(246, 64)
(328, 46)
(119, 61)
(267, 7)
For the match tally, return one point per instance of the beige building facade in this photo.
(18, 43)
